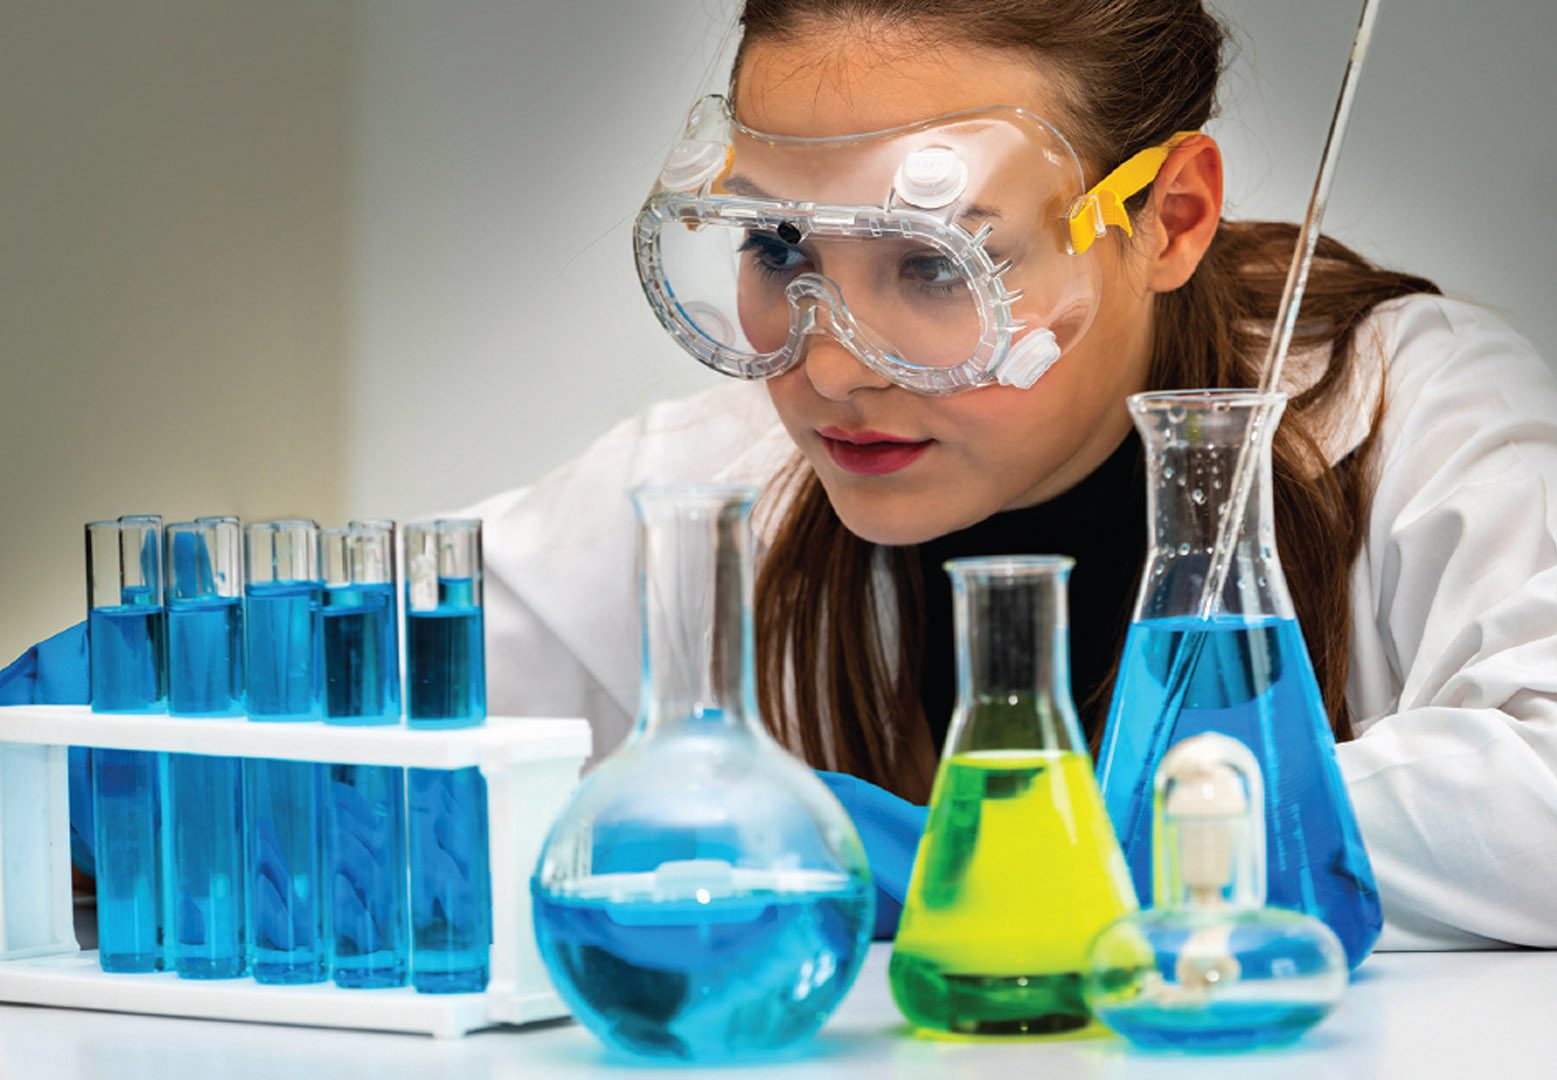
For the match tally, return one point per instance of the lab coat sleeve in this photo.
(1454, 777)
(561, 593)
(532, 671)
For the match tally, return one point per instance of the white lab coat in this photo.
(1454, 607)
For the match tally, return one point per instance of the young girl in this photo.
(1415, 468)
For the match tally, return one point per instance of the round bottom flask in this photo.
(1209, 967)
(703, 896)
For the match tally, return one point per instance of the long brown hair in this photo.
(835, 673)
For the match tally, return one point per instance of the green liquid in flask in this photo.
(1017, 872)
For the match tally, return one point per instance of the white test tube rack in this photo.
(531, 766)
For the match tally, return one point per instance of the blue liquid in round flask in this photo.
(1209, 967)
(703, 896)
(1242, 669)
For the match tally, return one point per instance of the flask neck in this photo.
(695, 581)
(1193, 442)
(1013, 657)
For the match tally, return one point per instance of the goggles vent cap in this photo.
(1026, 360)
(692, 163)
(931, 177)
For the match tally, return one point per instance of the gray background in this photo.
(371, 258)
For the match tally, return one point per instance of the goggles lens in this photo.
(930, 250)
(737, 287)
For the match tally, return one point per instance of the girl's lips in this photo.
(871, 453)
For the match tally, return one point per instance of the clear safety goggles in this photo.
(946, 255)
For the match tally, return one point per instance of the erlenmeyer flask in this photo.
(1244, 672)
(702, 896)
(1018, 868)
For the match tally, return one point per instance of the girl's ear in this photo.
(1184, 209)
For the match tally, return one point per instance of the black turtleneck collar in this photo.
(1101, 523)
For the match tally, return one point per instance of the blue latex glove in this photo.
(890, 828)
(55, 672)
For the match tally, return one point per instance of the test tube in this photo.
(451, 902)
(282, 594)
(445, 655)
(205, 618)
(125, 621)
(361, 652)
(392, 624)
(284, 800)
(366, 804)
(126, 646)
(205, 794)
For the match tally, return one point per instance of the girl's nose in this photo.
(834, 371)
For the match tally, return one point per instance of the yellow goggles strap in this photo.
(1092, 214)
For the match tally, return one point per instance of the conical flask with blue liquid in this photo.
(703, 896)
(1237, 665)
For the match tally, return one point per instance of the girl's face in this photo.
(900, 467)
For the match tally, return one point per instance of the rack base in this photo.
(531, 765)
(76, 982)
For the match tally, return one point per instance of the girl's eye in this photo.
(936, 273)
(772, 255)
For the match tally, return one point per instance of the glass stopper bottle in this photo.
(703, 896)
(1210, 966)
(1243, 671)
(1018, 868)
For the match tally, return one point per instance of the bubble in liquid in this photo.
(1199, 496)
(1183, 549)
(1168, 471)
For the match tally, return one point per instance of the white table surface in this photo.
(1482, 1015)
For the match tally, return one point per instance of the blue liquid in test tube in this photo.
(451, 898)
(361, 674)
(445, 657)
(367, 846)
(125, 642)
(451, 892)
(391, 626)
(205, 656)
(205, 794)
(127, 793)
(125, 625)
(285, 805)
(283, 648)
(365, 803)
(284, 800)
